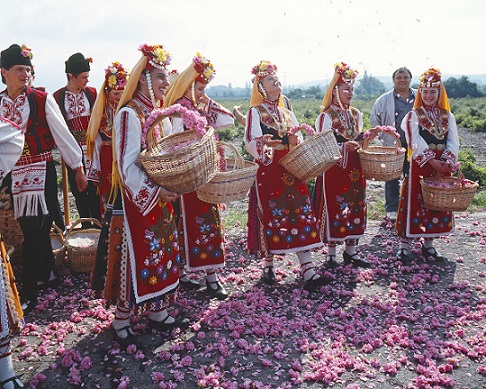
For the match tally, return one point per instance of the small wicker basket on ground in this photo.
(382, 163)
(313, 156)
(81, 245)
(232, 184)
(448, 193)
(58, 247)
(181, 162)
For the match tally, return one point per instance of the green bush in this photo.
(469, 168)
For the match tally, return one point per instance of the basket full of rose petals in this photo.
(448, 193)
(313, 156)
(381, 163)
(233, 180)
(81, 245)
(180, 162)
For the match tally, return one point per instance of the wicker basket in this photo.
(382, 163)
(181, 162)
(81, 256)
(455, 194)
(9, 226)
(232, 184)
(58, 246)
(312, 157)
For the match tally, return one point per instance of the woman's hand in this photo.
(166, 195)
(440, 166)
(351, 145)
(268, 141)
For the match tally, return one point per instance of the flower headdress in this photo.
(204, 67)
(431, 78)
(116, 76)
(346, 73)
(260, 71)
(26, 52)
(263, 69)
(200, 69)
(343, 73)
(158, 57)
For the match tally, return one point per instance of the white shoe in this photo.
(391, 215)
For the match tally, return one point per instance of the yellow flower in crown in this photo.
(347, 74)
(204, 67)
(158, 56)
(431, 78)
(116, 76)
(264, 68)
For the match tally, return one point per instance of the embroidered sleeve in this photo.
(421, 152)
(451, 150)
(11, 145)
(218, 116)
(139, 188)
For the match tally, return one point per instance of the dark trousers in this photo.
(37, 257)
(87, 202)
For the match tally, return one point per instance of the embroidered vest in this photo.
(38, 136)
(341, 130)
(428, 130)
(271, 126)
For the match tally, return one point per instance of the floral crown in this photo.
(116, 76)
(204, 67)
(26, 52)
(346, 73)
(264, 68)
(158, 57)
(431, 78)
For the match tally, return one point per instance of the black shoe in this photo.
(42, 285)
(268, 276)
(331, 262)
(188, 284)
(131, 337)
(219, 292)
(29, 305)
(403, 255)
(315, 282)
(355, 260)
(16, 382)
(163, 326)
(432, 252)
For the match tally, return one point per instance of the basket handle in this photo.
(377, 130)
(59, 232)
(82, 220)
(149, 138)
(239, 161)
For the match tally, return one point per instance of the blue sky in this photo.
(304, 38)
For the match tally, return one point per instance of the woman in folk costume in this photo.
(340, 194)
(142, 269)
(433, 141)
(286, 222)
(201, 232)
(11, 315)
(100, 129)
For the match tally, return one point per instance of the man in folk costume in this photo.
(99, 137)
(433, 143)
(76, 102)
(142, 268)
(340, 195)
(201, 232)
(11, 315)
(34, 177)
(286, 222)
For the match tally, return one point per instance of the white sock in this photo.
(121, 320)
(6, 365)
(428, 243)
(268, 262)
(306, 265)
(350, 249)
(211, 275)
(159, 315)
